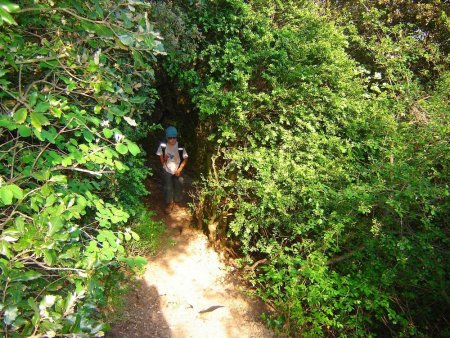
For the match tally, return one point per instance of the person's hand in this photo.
(178, 172)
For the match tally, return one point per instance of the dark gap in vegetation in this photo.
(173, 108)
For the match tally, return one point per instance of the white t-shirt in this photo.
(173, 160)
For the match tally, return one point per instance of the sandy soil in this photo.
(188, 290)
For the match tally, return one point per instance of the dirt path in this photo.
(187, 290)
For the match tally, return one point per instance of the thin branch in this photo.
(20, 82)
(15, 97)
(13, 158)
(255, 265)
(45, 287)
(48, 58)
(75, 15)
(96, 173)
(13, 139)
(45, 267)
(4, 290)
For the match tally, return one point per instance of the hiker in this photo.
(173, 159)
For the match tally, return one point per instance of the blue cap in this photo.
(171, 132)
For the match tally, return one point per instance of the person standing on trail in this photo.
(173, 159)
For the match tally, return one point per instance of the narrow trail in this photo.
(187, 290)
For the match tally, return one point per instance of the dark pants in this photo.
(172, 188)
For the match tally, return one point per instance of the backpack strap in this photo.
(180, 152)
(163, 148)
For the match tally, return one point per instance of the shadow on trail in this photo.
(143, 317)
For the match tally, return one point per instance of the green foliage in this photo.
(149, 232)
(131, 183)
(76, 88)
(331, 161)
(6, 8)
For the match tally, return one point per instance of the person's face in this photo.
(172, 140)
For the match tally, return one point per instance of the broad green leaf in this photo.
(40, 175)
(121, 148)
(56, 112)
(99, 10)
(6, 195)
(135, 236)
(42, 107)
(138, 99)
(38, 120)
(59, 179)
(33, 304)
(126, 39)
(99, 29)
(8, 6)
(47, 302)
(108, 133)
(149, 41)
(139, 261)
(5, 248)
(20, 115)
(38, 134)
(21, 276)
(159, 48)
(119, 165)
(50, 134)
(116, 110)
(20, 224)
(96, 121)
(10, 314)
(88, 136)
(66, 161)
(52, 64)
(133, 148)
(130, 121)
(6, 17)
(27, 158)
(55, 224)
(49, 258)
(9, 239)
(7, 122)
(32, 98)
(107, 251)
(70, 302)
(17, 191)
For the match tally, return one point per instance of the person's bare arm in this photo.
(181, 167)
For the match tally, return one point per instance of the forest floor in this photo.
(187, 290)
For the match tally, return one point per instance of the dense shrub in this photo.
(76, 87)
(334, 170)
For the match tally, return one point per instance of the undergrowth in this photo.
(149, 231)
